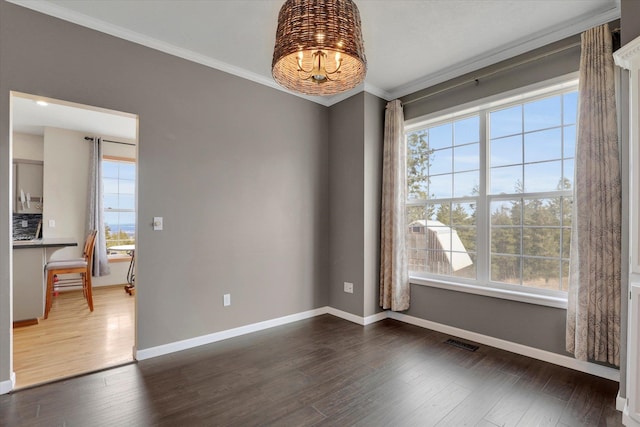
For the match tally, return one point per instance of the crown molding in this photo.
(150, 42)
(511, 50)
(519, 47)
(628, 56)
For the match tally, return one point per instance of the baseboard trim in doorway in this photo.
(8, 385)
(82, 374)
(161, 350)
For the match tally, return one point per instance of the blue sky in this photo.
(527, 145)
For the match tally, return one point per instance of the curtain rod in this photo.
(476, 79)
(89, 138)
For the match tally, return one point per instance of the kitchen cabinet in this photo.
(28, 196)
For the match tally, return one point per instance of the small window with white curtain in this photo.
(489, 197)
(119, 177)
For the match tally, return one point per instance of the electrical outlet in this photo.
(25, 223)
(226, 300)
(348, 287)
(52, 223)
(157, 223)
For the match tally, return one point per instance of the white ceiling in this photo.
(29, 117)
(409, 44)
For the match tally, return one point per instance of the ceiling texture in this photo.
(409, 44)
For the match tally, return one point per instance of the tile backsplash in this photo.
(29, 232)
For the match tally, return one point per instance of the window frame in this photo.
(121, 257)
(483, 285)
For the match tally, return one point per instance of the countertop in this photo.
(44, 243)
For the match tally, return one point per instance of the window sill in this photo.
(118, 258)
(546, 300)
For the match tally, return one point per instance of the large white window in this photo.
(489, 198)
(119, 177)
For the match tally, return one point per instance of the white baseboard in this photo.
(8, 385)
(160, 350)
(357, 319)
(620, 402)
(545, 356)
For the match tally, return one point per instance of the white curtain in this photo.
(95, 211)
(394, 275)
(593, 314)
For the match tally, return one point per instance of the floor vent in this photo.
(461, 344)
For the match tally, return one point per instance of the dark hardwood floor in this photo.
(324, 371)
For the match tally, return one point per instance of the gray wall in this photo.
(532, 325)
(238, 171)
(346, 200)
(374, 108)
(629, 20)
(356, 128)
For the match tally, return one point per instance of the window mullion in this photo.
(482, 211)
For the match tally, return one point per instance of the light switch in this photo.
(157, 223)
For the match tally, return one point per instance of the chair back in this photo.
(89, 245)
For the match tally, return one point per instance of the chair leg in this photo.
(49, 294)
(89, 294)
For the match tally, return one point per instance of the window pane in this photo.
(441, 162)
(568, 174)
(127, 201)
(569, 141)
(110, 201)
(110, 185)
(415, 213)
(119, 193)
(441, 212)
(128, 171)
(543, 212)
(542, 176)
(109, 169)
(566, 243)
(468, 272)
(466, 158)
(542, 114)
(506, 180)
(417, 260)
(464, 214)
(126, 186)
(506, 122)
(505, 240)
(506, 212)
(541, 273)
(440, 187)
(541, 242)
(565, 276)
(570, 108)
(418, 156)
(467, 130)
(466, 184)
(543, 145)
(111, 219)
(467, 237)
(505, 269)
(506, 151)
(440, 136)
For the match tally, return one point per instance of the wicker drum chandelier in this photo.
(319, 48)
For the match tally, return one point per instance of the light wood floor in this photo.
(74, 340)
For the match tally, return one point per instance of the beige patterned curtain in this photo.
(593, 315)
(394, 276)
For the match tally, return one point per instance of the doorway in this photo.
(53, 137)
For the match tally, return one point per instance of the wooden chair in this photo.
(80, 266)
